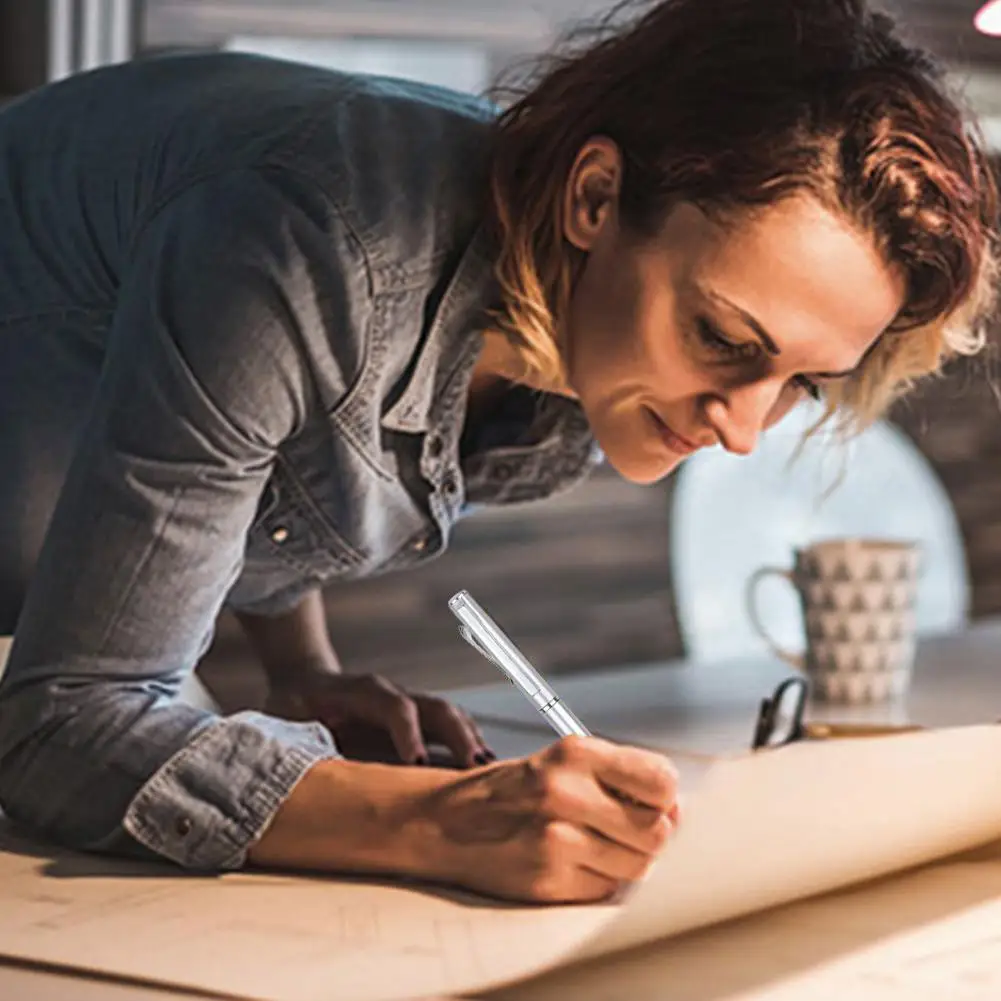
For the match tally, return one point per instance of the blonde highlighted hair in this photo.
(736, 104)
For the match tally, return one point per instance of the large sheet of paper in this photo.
(758, 830)
(922, 935)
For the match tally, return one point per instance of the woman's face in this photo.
(708, 333)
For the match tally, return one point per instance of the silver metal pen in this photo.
(488, 639)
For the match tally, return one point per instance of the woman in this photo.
(265, 326)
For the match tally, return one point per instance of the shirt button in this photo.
(450, 485)
(279, 535)
(183, 826)
(435, 446)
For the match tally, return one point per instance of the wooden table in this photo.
(689, 706)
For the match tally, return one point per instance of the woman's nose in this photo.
(740, 416)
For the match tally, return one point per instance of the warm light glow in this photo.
(988, 18)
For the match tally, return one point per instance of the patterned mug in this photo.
(857, 597)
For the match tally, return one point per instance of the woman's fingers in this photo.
(555, 826)
(447, 724)
(411, 721)
(571, 792)
(640, 776)
(485, 750)
(379, 701)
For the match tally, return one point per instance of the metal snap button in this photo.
(419, 546)
(183, 826)
(279, 535)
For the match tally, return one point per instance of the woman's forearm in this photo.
(296, 637)
(354, 817)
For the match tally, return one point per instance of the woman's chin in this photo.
(642, 469)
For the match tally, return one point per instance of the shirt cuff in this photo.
(211, 801)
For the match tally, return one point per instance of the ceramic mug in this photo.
(857, 597)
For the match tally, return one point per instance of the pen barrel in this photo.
(492, 642)
(488, 638)
(560, 718)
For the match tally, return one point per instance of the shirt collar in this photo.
(453, 343)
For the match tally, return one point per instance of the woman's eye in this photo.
(714, 339)
(808, 386)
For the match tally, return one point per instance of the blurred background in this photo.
(612, 573)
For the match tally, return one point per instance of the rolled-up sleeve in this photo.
(207, 372)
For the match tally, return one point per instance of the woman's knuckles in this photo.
(559, 844)
(569, 751)
(559, 796)
(660, 833)
(400, 707)
(434, 707)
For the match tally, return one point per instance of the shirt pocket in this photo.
(289, 529)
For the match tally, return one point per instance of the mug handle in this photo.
(795, 660)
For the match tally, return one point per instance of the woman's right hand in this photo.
(571, 823)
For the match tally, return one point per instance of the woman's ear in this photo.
(591, 197)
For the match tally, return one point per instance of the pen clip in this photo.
(479, 647)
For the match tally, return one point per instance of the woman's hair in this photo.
(735, 104)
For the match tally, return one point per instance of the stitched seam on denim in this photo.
(260, 168)
(294, 169)
(359, 447)
(465, 358)
(209, 400)
(296, 563)
(297, 762)
(282, 146)
(375, 352)
(353, 559)
(320, 182)
(406, 555)
(140, 565)
(276, 162)
(305, 503)
(369, 356)
(263, 798)
(291, 560)
(224, 417)
(351, 237)
(56, 311)
(363, 251)
(297, 756)
(171, 193)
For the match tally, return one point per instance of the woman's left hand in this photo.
(372, 719)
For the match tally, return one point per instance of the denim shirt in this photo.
(281, 276)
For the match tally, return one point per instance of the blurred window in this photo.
(447, 64)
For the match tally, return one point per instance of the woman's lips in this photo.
(673, 440)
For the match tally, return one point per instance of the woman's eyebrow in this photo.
(767, 341)
(752, 322)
